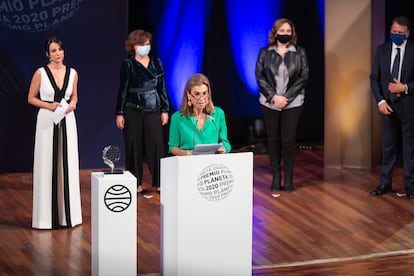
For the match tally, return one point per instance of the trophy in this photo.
(111, 155)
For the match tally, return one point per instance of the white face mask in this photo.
(143, 50)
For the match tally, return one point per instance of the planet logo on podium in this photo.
(117, 198)
(215, 182)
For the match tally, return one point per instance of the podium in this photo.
(206, 214)
(114, 224)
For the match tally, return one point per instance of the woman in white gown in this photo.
(56, 188)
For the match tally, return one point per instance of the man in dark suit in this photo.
(393, 90)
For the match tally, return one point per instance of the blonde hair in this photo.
(196, 80)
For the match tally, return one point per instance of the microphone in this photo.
(211, 118)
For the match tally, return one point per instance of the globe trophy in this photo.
(111, 155)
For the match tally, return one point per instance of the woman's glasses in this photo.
(198, 95)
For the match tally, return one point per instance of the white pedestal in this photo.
(114, 224)
(206, 215)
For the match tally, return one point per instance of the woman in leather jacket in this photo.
(142, 107)
(282, 72)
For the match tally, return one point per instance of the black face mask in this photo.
(283, 38)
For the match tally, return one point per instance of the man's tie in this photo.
(396, 65)
(395, 70)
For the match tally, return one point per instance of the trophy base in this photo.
(114, 171)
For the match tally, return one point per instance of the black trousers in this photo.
(143, 137)
(281, 127)
(398, 127)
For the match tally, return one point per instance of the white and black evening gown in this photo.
(56, 187)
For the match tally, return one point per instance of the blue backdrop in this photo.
(222, 40)
(218, 38)
(93, 32)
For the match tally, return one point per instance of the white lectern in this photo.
(114, 224)
(206, 214)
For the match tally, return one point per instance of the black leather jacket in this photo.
(267, 68)
(142, 88)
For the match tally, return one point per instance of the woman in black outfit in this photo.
(282, 74)
(142, 107)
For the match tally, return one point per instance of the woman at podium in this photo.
(198, 121)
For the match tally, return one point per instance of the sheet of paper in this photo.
(59, 112)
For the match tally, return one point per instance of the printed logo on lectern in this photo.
(215, 182)
(117, 198)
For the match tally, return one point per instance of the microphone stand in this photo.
(211, 118)
(195, 129)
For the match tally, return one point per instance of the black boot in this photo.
(276, 182)
(274, 154)
(289, 163)
(288, 183)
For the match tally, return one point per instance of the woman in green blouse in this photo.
(198, 121)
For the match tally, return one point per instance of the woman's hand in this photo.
(164, 118)
(180, 152)
(71, 107)
(120, 121)
(53, 106)
(221, 150)
(280, 101)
